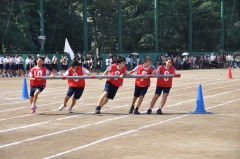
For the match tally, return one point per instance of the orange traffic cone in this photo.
(229, 72)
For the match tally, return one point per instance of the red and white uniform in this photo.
(142, 82)
(165, 82)
(38, 71)
(79, 72)
(114, 70)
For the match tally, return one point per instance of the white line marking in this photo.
(228, 115)
(126, 133)
(51, 90)
(100, 122)
(35, 124)
(95, 97)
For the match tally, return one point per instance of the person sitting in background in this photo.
(237, 59)
(219, 61)
(79, 58)
(179, 62)
(13, 64)
(54, 65)
(189, 62)
(108, 61)
(91, 63)
(32, 64)
(193, 62)
(128, 63)
(98, 64)
(184, 61)
(85, 64)
(1, 64)
(47, 63)
(205, 62)
(64, 64)
(20, 69)
(213, 60)
(230, 60)
(28, 65)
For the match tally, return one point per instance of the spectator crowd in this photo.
(16, 66)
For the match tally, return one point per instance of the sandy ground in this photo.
(114, 133)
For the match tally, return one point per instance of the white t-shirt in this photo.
(13, 61)
(20, 60)
(31, 61)
(27, 61)
(193, 60)
(108, 61)
(237, 58)
(6, 60)
(127, 60)
(1, 60)
(230, 58)
(47, 61)
(213, 57)
(137, 61)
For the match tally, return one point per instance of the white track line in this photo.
(128, 132)
(84, 126)
(16, 117)
(228, 115)
(95, 97)
(64, 89)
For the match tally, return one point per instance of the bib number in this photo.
(116, 73)
(75, 74)
(143, 73)
(166, 78)
(38, 73)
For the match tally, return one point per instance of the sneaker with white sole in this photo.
(69, 110)
(61, 107)
(33, 109)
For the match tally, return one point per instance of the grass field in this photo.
(114, 133)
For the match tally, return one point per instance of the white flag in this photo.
(68, 49)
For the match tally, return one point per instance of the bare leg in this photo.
(36, 93)
(140, 101)
(134, 100)
(164, 99)
(104, 102)
(31, 100)
(102, 99)
(73, 102)
(155, 98)
(66, 100)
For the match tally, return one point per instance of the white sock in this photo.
(150, 108)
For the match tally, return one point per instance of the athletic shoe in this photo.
(69, 110)
(61, 107)
(97, 111)
(136, 111)
(149, 111)
(159, 111)
(33, 109)
(131, 109)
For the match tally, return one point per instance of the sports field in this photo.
(114, 133)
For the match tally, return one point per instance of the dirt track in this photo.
(115, 133)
